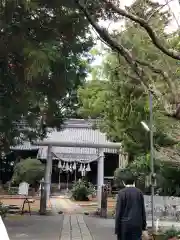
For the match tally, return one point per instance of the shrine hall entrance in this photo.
(111, 162)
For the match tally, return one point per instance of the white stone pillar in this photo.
(100, 177)
(120, 163)
(123, 158)
(48, 172)
(120, 157)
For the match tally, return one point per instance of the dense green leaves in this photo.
(92, 98)
(28, 170)
(167, 175)
(42, 50)
(168, 180)
(82, 190)
(125, 102)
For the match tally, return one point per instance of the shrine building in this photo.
(71, 163)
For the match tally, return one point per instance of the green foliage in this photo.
(167, 175)
(171, 233)
(121, 100)
(168, 180)
(3, 210)
(6, 169)
(92, 98)
(42, 50)
(28, 170)
(81, 190)
(141, 169)
(141, 165)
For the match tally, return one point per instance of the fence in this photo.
(165, 208)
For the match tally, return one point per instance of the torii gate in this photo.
(100, 147)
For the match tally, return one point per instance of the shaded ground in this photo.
(59, 227)
(34, 227)
(101, 229)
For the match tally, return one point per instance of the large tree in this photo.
(42, 49)
(165, 44)
(121, 100)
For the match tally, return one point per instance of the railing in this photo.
(166, 208)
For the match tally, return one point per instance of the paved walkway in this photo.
(75, 228)
(65, 204)
(72, 225)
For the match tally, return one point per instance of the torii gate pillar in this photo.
(48, 172)
(100, 177)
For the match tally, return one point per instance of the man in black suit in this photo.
(130, 219)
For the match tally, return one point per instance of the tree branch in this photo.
(157, 10)
(153, 69)
(144, 24)
(113, 44)
(133, 63)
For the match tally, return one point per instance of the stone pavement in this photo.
(75, 228)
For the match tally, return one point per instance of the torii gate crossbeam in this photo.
(99, 146)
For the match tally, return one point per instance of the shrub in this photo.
(81, 190)
(3, 210)
(171, 233)
(28, 170)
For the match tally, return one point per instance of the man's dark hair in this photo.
(129, 181)
(129, 178)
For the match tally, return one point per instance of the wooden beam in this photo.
(78, 144)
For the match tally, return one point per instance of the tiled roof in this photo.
(25, 146)
(73, 130)
(76, 130)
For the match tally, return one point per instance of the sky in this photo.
(173, 6)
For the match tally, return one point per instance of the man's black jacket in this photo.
(130, 212)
